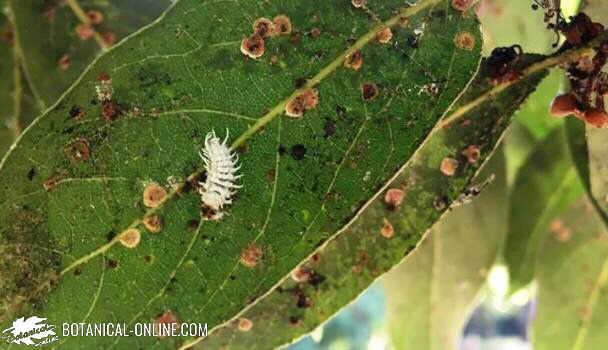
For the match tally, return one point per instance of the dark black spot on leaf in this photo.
(77, 271)
(112, 263)
(110, 235)
(31, 173)
(298, 152)
(192, 225)
(282, 150)
(300, 82)
(329, 127)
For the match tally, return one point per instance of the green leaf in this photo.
(431, 294)
(549, 178)
(173, 83)
(30, 75)
(47, 36)
(358, 256)
(572, 273)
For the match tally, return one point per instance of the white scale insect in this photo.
(219, 187)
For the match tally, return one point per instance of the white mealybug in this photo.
(219, 186)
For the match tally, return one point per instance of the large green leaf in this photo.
(549, 177)
(356, 258)
(572, 273)
(174, 82)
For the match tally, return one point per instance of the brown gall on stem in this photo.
(369, 91)
(253, 46)
(354, 61)
(384, 36)
(462, 5)
(154, 195)
(465, 41)
(153, 223)
(264, 28)
(251, 256)
(282, 25)
(109, 38)
(78, 151)
(130, 238)
(245, 325)
(95, 16)
(84, 31)
(393, 198)
(448, 166)
(64, 62)
(387, 230)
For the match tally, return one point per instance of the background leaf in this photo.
(572, 274)
(549, 178)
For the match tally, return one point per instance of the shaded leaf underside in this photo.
(176, 81)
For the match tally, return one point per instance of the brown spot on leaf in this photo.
(315, 32)
(387, 230)
(166, 323)
(301, 274)
(306, 100)
(77, 113)
(472, 153)
(154, 195)
(465, 40)
(50, 183)
(264, 27)
(369, 91)
(282, 25)
(448, 166)
(153, 223)
(78, 151)
(270, 175)
(384, 36)
(245, 325)
(130, 238)
(253, 46)
(251, 256)
(358, 3)
(393, 198)
(559, 231)
(110, 111)
(354, 61)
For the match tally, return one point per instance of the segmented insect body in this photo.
(219, 186)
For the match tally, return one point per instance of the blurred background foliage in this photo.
(525, 265)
